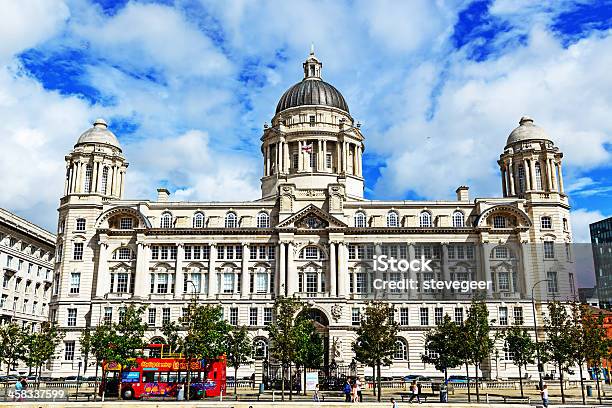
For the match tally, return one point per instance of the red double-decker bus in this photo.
(165, 375)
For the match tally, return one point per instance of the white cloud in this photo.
(580, 219)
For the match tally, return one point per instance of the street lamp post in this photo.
(535, 330)
(195, 291)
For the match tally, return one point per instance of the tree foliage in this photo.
(559, 344)
(479, 344)
(239, 350)
(523, 349)
(444, 344)
(376, 337)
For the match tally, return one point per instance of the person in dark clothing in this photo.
(347, 391)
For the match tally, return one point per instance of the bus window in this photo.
(172, 377)
(148, 376)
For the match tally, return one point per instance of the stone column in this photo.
(94, 177)
(142, 267)
(180, 275)
(548, 175)
(122, 184)
(267, 160)
(342, 271)
(325, 155)
(486, 264)
(511, 172)
(286, 159)
(534, 183)
(338, 158)
(359, 161)
(300, 157)
(212, 272)
(561, 188)
(319, 154)
(333, 290)
(503, 180)
(245, 271)
(282, 285)
(103, 280)
(78, 183)
(528, 174)
(553, 168)
(291, 271)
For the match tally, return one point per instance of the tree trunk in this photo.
(236, 383)
(96, 383)
(597, 378)
(445, 375)
(467, 372)
(378, 381)
(373, 379)
(188, 379)
(582, 384)
(120, 382)
(290, 384)
(304, 380)
(282, 382)
(477, 383)
(561, 384)
(521, 380)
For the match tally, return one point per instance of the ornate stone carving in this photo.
(336, 312)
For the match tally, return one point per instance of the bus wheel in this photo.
(127, 394)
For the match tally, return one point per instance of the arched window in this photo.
(104, 184)
(198, 220)
(400, 352)
(392, 219)
(425, 219)
(263, 220)
(538, 176)
(166, 220)
(360, 220)
(88, 178)
(458, 219)
(260, 349)
(123, 254)
(231, 220)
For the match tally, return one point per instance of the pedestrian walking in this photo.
(18, 390)
(544, 393)
(347, 391)
(359, 395)
(414, 392)
(315, 396)
(394, 403)
(354, 396)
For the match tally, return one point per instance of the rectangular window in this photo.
(312, 119)
(549, 250)
(267, 316)
(404, 316)
(546, 222)
(152, 317)
(233, 316)
(352, 252)
(328, 160)
(552, 283)
(253, 316)
(122, 283)
(459, 315)
(162, 283)
(75, 282)
(69, 350)
(499, 221)
(165, 315)
(173, 251)
(572, 283)
(72, 317)
(355, 316)
(438, 315)
(295, 161)
(80, 224)
(154, 252)
(108, 315)
(311, 282)
(518, 315)
(121, 314)
(262, 282)
(424, 314)
(311, 252)
(503, 316)
(77, 254)
(164, 252)
(5, 281)
(125, 223)
(361, 282)
(228, 283)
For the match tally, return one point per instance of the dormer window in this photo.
(392, 219)
(231, 220)
(166, 220)
(425, 219)
(198, 220)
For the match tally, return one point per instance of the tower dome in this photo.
(99, 133)
(312, 90)
(526, 131)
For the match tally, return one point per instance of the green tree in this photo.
(376, 338)
(281, 333)
(100, 339)
(171, 331)
(205, 338)
(13, 339)
(239, 350)
(309, 346)
(559, 344)
(523, 349)
(444, 344)
(477, 331)
(595, 341)
(41, 346)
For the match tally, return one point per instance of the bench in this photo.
(507, 398)
(407, 395)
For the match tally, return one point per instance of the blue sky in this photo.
(187, 86)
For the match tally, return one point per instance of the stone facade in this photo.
(312, 234)
(26, 262)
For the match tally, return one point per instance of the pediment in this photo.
(311, 218)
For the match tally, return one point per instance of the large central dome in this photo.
(312, 90)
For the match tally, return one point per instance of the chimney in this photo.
(163, 194)
(463, 193)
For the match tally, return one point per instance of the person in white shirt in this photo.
(544, 393)
(358, 384)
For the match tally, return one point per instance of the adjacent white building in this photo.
(312, 234)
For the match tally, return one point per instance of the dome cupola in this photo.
(312, 90)
(526, 131)
(99, 133)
